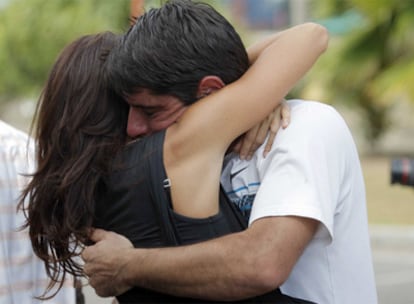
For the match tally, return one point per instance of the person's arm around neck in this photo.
(281, 62)
(254, 50)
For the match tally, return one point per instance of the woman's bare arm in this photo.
(280, 63)
(195, 145)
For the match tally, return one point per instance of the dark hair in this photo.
(81, 124)
(171, 48)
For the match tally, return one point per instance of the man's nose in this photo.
(138, 124)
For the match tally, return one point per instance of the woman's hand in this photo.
(255, 137)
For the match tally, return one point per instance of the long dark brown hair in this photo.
(79, 124)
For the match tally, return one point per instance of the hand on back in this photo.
(249, 142)
(105, 262)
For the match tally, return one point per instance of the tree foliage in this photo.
(372, 67)
(32, 33)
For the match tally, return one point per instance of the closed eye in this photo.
(149, 111)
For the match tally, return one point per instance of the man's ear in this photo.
(208, 85)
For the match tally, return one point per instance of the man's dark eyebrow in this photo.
(144, 107)
(148, 107)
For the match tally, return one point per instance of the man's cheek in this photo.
(162, 123)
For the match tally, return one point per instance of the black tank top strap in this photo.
(157, 183)
(160, 191)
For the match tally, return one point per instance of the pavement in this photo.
(393, 255)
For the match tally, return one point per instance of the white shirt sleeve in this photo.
(301, 175)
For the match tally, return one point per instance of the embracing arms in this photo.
(232, 267)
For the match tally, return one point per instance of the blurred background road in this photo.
(393, 252)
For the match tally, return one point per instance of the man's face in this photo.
(150, 113)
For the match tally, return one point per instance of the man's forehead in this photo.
(146, 99)
(140, 97)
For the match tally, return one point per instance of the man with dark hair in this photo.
(308, 228)
(185, 44)
(170, 58)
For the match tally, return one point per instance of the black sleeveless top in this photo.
(134, 201)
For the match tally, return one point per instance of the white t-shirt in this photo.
(313, 171)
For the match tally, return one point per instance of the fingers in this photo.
(87, 272)
(86, 257)
(281, 118)
(98, 234)
(272, 127)
(263, 131)
(237, 146)
(256, 136)
(247, 143)
(269, 143)
(285, 115)
(95, 235)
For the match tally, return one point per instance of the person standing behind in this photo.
(22, 274)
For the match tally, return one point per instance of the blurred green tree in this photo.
(32, 32)
(372, 66)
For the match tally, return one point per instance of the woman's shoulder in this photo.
(138, 152)
(145, 144)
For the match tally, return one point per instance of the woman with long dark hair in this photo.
(79, 126)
